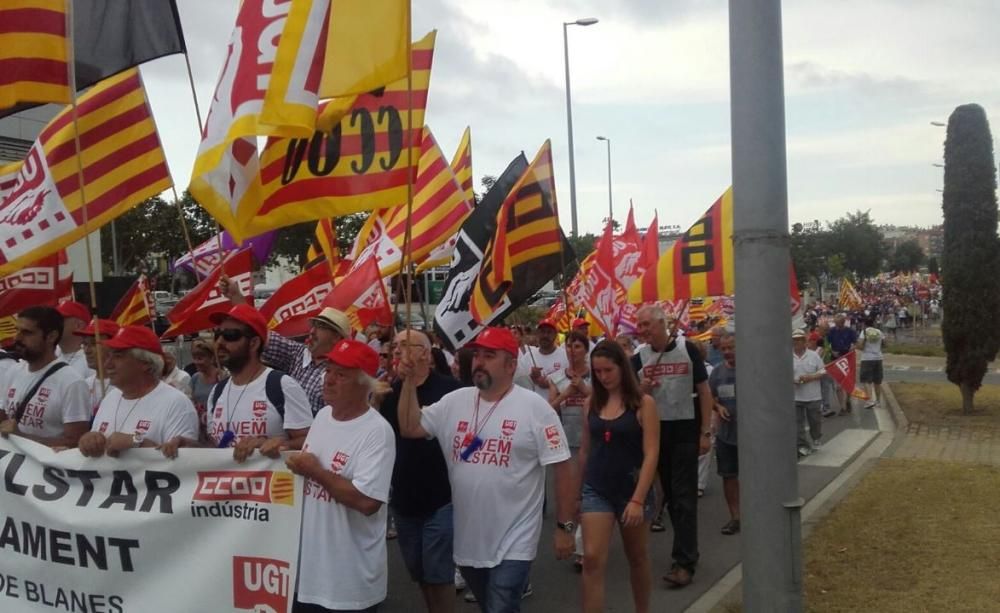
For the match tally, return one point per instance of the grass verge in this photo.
(939, 404)
(918, 349)
(914, 535)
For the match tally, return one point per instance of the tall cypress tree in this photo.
(971, 258)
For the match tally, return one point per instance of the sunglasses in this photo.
(230, 334)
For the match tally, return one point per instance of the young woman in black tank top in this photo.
(618, 459)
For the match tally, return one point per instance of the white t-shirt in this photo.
(62, 398)
(808, 364)
(342, 557)
(77, 360)
(179, 380)
(572, 409)
(550, 364)
(872, 351)
(158, 416)
(94, 388)
(498, 493)
(246, 410)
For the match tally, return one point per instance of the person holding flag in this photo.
(95, 332)
(809, 370)
(537, 364)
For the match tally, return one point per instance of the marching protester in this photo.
(722, 382)
(421, 494)
(497, 438)
(537, 364)
(91, 335)
(618, 461)
(173, 376)
(673, 373)
(808, 370)
(140, 410)
(817, 341)
(871, 344)
(842, 339)
(304, 362)
(45, 400)
(207, 374)
(76, 316)
(347, 460)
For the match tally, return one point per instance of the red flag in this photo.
(135, 307)
(793, 290)
(602, 284)
(844, 372)
(361, 296)
(288, 310)
(46, 281)
(651, 244)
(192, 312)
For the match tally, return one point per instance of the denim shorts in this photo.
(593, 502)
(427, 546)
(727, 460)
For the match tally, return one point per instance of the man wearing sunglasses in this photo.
(306, 363)
(256, 407)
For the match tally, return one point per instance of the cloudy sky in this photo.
(863, 81)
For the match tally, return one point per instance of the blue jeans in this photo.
(426, 545)
(498, 589)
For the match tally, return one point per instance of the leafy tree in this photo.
(907, 257)
(860, 241)
(971, 254)
(808, 248)
(293, 242)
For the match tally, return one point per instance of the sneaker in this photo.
(804, 451)
(459, 581)
(657, 524)
(469, 597)
(816, 444)
(390, 532)
(528, 591)
(828, 412)
(731, 527)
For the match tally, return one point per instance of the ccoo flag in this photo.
(107, 38)
(123, 164)
(527, 243)
(699, 264)
(192, 314)
(46, 281)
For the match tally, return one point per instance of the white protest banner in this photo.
(144, 533)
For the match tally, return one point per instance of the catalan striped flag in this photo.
(324, 243)
(699, 264)
(439, 209)
(461, 165)
(527, 238)
(134, 308)
(361, 165)
(8, 328)
(123, 164)
(849, 298)
(34, 52)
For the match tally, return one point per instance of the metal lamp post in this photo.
(586, 21)
(611, 206)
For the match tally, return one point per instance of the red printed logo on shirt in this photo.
(259, 409)
(142, 426)
(218, 411)
(666, 370)
(463, 426)
(43, 393)
(261, 584)
(508, 427)
(552, 436)
(339, 461)
(103, 427)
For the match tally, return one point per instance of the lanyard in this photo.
(477, 427)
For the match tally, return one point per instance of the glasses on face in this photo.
(384, 356)
(404, 346)
(229, 334)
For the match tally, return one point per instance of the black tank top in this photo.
(615, 455)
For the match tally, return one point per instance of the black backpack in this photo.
(272, 389)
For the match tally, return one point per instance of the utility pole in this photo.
(771, 533)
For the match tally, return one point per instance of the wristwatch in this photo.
(569, 526)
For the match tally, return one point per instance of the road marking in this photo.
(841, 448)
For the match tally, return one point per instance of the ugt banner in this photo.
(144, 533)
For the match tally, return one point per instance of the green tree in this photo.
(293, 242)
(808, 247)
(860, 241)
(907, 257)
(971, 253)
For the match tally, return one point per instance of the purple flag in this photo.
(207, 255)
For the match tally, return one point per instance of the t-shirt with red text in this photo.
(157, 417)
(246, 411)
(343, 562)
(63, 398)
(498, 490)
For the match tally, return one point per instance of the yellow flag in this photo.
(366, 46)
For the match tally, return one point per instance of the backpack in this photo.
(272, 389)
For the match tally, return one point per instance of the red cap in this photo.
(72, 308)
(107, 327)
(135, 337)
(501, 339)
(245, 314)
(815, 337)
(548, 321)
(350, 353)
(579, 321)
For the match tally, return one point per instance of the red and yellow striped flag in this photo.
(123, 164)
(699, 264)
(33, 52)
(848, 298)
(527, 230)
(461, 165)
(439, 209)
(134, 308)
(360, 165)
(324, 243)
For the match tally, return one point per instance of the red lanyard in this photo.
(477, 426)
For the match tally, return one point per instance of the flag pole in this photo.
(71, 71)
(407, 257)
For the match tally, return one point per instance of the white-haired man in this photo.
(140, 410)
(347, 461)
(173, 376)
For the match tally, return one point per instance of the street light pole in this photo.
(587, 21)
(611, 206)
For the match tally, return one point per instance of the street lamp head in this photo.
(586, 21)
(938, 124)
(603, 138)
